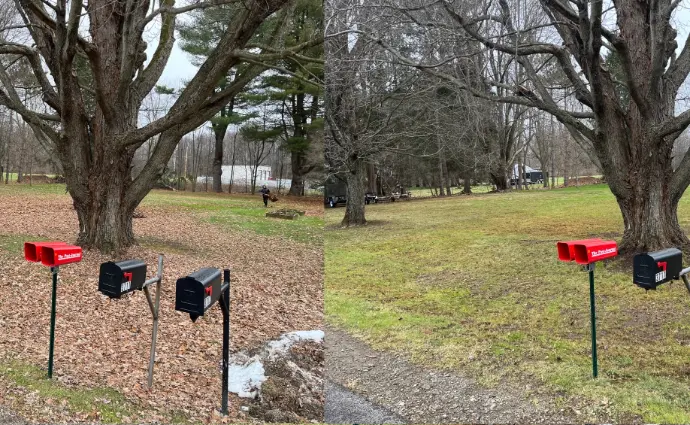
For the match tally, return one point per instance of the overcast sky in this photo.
(178, 70)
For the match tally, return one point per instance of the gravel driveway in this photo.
(345, 407)
(419, 395)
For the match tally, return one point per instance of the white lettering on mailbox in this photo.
(603, 252)
(661, 276)
(207, 302)
(62, 257)
(126, 286)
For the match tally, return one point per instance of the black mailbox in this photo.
(651, 269)
(117, 279)
(197, 292)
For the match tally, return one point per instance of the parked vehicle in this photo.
(530, 176)
(335, 191)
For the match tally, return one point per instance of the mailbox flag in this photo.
(52, 256)
(32, 250)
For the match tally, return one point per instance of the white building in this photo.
(241, 175)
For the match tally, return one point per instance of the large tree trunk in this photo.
(650, 216)
(101, 192)
(371, 178)
(467, 182)
(106, 222)
(9, 151)
(498, 178)
(648, 200)
(354, 210)
(232, 162)
(300, 145)
(642, 179)
(220, 128)
(441, 180)
(449, 182)
(218, 159)
(297, 160)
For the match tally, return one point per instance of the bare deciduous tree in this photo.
(627, 118)
(98, 81)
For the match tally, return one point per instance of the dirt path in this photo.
(427, 396)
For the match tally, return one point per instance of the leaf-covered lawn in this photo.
(473, 284)
(102, 345)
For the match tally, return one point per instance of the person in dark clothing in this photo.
(266, 194)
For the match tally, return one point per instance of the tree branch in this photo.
(170, 10)
(563, 116)
(673, 125)
(679, 69)
(148, 77)
(49, 94)
(180, 116)
(43, 17)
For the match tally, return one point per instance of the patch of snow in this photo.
(247, 374)
(287, 340)
(245, 379)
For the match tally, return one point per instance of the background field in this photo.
(102, 345)
(473, 284)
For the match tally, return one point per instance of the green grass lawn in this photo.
(424, 192)
(473, 284)
(111, 406)
(243, 212)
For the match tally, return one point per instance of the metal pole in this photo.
(54, 271)
(590, 268)
(225, 306)
(154, 311)
(685, 280)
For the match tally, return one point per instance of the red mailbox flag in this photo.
(52, 256)
(592, 251)
(32, 250)
(566, 250)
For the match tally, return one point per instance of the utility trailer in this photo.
(335, 191)
(530, 176)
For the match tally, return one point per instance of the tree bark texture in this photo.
(356, 190)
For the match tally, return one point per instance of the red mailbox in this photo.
(58, 255)
(52, 254)
(587, 252)
(32, 250)
(591, 251)
(566, 250)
